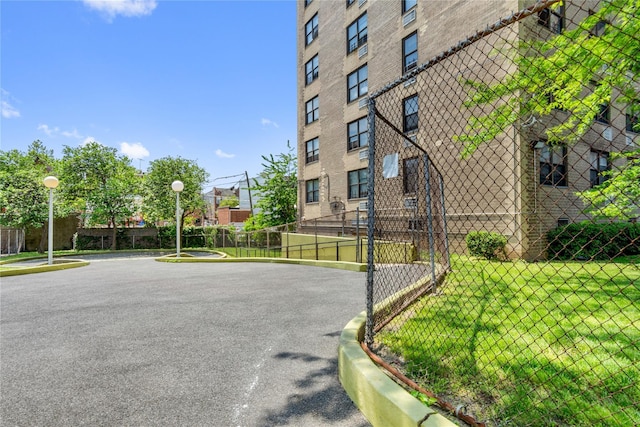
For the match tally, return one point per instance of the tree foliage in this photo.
(277, 189)
(619, 195)
(160, 200)
(24, 200)
(231, 201)
(576, 71)
(100, 184)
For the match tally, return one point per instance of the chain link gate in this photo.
(499, 282)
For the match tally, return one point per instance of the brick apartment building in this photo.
(348, 49)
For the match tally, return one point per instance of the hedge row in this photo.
(587, 241)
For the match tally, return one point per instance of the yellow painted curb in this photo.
(341, 265)
(380, 399)
(43, 268)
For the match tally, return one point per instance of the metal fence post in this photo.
(358, 259)
(316, 234)
(368, 336)
(432, 248)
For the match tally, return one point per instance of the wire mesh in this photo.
(504, 192)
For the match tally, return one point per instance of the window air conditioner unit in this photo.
(363, 154)
(409, 17)
(361, 2)
(363, 205)
(362, 51)
(363, 103)
(409, 82)
(410, 203)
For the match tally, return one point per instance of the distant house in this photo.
(233, 216)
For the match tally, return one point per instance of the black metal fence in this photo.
(510, 165)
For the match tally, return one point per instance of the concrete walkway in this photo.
(137, 342)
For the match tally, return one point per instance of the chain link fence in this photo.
(509, 166)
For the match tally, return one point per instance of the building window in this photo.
(604, 114)
(599, 164)
(350, 2)
(410, 175)
(357, 84)
(633, 121)
(307, 2)
(563, 221)
(313, 190)
(409, 52)
(553, 166)
(312, 110)
(410, 114)
(598, 29)
(552, 18)
(358, 183)
(311, 30)
(357, 33)
(311, 69)
(408, 4)
(358, 134)
(313, 150)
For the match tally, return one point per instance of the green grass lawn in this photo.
(529, 344)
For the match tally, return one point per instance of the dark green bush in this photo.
(486, 244)
(587, 241)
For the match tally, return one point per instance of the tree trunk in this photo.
(114, 235)
(44, 232)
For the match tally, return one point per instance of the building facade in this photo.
(348, 49)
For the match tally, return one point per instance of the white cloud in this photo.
(72, 134)
(46, 129)
(127, 8)
(267, 122)
(224, 155)
(134, 151)
(8, 110)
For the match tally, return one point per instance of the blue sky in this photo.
(210, 81)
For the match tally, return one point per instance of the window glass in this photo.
(410, 52)
(313, 191)
(311, 70)
(357, 134)
(311, 30)
(552, 18)
(599, 164)
(410, 175)
(357, 33)
(358, 183)
(357, 85)
(312, 110)
(553, 166)
(408, 4)
(313, 150)
(410, 113)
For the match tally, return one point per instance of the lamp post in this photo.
(177, 186)
(50, 182)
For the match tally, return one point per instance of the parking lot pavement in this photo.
(138, 342)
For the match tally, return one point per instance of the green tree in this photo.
(24, 200)
(577, 71)
(231, 201)
(159, 203)
(100, 184)
(277, 189)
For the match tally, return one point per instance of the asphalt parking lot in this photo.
(142, 343)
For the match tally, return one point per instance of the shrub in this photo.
(486, 244)
(587, 240)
